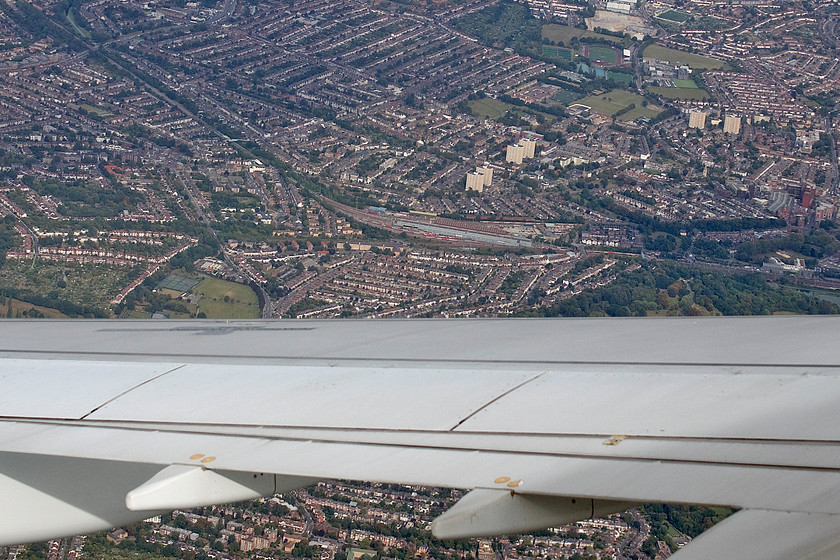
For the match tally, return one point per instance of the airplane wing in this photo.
(546, 421)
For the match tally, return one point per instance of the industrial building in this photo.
(620, 6)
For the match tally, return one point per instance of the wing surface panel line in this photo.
(112, 399)
(495, 399)
(199, 428)
(273, 359)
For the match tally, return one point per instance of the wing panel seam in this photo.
(208, 358)
(112, 399)
(495, 399)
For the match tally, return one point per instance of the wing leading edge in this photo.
(542, 436)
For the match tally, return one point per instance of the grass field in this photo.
(672, 532)
(495, 109)
(17, 308)
(638, 113)
(673, 15)
(612, 102)
(679, 93)
(564, 97)
(137, 314)
(557, 52)
(620, 77)
(99, 111)
(681, 57)
(174, 294)
(241, 303)
(564, 33)
(604, 54)
(709, 23)
(685, 84)
(179, 283)
(489, 108)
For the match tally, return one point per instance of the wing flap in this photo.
(428, 461)
(771, 535)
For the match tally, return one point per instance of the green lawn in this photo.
(673, 533)
(679, 93)
(179, 282)
(556, 52)
(565, 97)
(638, 113)
(620, 77)
(673, 15)
(13, 307)
(242, 301)
(604, 54)
(489, 108)
(681, 57)
(690, 84)
(137, 314)
(564, 33)
(612, 102)
(99, 111)
(710, 23)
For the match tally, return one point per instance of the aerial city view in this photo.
(244, 159)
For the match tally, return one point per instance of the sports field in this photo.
(489, 108)
(564, 97)
(179, 283)
(638, 113)
(241, 302)
(564, 33)
(556, 52)
(681, 57)
(602, 54)
(673, 15)
(99, 111)
(679, 93)
(685, 84)
(620, 77)
(612, 102)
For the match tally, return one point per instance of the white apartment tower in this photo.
(475, 182)
(530, 146)
(515, 154)
(487, 173)
(732, 125)
(697, 119)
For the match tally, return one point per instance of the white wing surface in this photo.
(546, 421)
